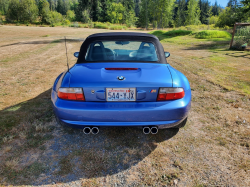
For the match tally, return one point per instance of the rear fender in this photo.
(179, 79)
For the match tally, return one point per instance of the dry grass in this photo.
(212, 150)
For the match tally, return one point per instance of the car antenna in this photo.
(66, 53)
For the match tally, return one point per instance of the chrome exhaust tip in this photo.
(95, 130)
(146, 130)
(154, 130)
(87, 130)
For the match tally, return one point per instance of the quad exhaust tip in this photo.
(95, 130)
(147, 130)
(88, 130)
(154, 130)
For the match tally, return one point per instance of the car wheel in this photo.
(182, 124)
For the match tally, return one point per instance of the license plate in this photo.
(120, 94)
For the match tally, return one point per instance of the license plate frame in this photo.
(121, 92)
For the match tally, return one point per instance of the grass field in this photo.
(212, 150)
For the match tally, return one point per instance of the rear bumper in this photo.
(159, 124)
(162, 114)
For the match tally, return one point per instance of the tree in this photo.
(59, 7)
(13, 11)
(28, 10)
(193, 13)
(180, 15)
(52, 5)
(144, 14)
(83, 10)
(216, 9)
(137, 8)
(54, 17)
(233, 4)
(116, 12)
(226, 18)
(129, 6)
(70, 15)
(4, 5)
(204, 8)
(44, 10)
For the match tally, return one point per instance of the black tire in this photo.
(181, 125)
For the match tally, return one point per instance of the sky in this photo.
(222, 3)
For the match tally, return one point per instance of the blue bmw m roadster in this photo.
(121, 79)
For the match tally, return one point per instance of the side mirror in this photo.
(76, 54)
(167, 54)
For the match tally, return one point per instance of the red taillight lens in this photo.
(170, 94)
(121, 68)
(71, 94)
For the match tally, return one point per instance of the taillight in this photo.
(71, 94)
(121, 68)
(170, 94)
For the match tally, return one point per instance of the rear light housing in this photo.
(71, 94)
(166, 94)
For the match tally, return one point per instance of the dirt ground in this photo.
(211, 150)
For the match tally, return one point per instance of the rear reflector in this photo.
(121, 68)
(71, 94)
(170, 94)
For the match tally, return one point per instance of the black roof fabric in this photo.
(131, 36)
(122, 34)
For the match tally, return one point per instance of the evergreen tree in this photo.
(143, 20)
(193, 13)
(216, 9)
(137, 8)
(59, 7)
(96, 10)
(204, 14)
(180, 15)
(232, 4)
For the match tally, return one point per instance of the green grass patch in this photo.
(178, 33)
(207, 34)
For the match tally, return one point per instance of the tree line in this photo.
(142, 13)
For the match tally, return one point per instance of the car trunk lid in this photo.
(94, 78)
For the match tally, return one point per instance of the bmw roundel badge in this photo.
(121, 78)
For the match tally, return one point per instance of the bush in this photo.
(54, 18)
(207, 34)
(66, 22)
(83, 26)
(101, 25)
(157, 32)
(117, 27)
(70, 15)
(177, 33)
(213, 20)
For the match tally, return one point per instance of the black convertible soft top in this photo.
(134, 36)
